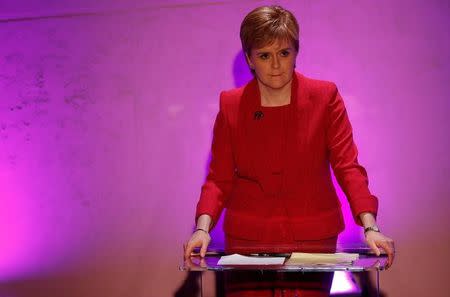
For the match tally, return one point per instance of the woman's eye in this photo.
(284, 53)
(264, 56)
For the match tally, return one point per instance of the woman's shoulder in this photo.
(315, 85)
(233, 97)
(232, 94)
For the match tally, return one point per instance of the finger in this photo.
(202, 262)
(186, 254)
(188, 251)
(374, 247)
(188, 262)
(393, 250)
(203, 249)
(391, 256)
(389, 251)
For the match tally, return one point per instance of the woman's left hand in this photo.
(377, 240)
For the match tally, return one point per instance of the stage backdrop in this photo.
(106, 115)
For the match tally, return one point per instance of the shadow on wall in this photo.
(241, 75)
(241, 72)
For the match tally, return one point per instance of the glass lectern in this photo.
(367, 261)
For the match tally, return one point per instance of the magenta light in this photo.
(343, 283)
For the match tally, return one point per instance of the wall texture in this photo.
(106, 111)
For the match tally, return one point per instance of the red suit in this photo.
(270, 168)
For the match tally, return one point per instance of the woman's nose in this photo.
(275, 62)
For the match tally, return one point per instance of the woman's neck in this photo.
(275, 97)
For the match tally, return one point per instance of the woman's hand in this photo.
(377, 240)
(200, 238)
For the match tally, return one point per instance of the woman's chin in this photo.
(276, 83)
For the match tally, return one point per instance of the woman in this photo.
(274, 141)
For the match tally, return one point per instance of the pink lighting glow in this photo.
(106, 115)
(343, 283)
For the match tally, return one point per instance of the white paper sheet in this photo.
(237, 259)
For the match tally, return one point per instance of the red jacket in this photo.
(269, 195)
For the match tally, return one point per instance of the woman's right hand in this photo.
(200, 238)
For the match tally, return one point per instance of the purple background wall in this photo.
(106, 111)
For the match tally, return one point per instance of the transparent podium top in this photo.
(367, 261)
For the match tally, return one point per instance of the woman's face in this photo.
(273, 64)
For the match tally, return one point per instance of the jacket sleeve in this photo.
(351, 176)
(218, 183)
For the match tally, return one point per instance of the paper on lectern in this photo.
(237, 259)
(322, 258)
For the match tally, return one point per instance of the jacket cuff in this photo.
(209, 208)
(365, 205)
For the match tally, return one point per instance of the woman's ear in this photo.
(249, 62)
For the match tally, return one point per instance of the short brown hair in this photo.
(267, 24)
